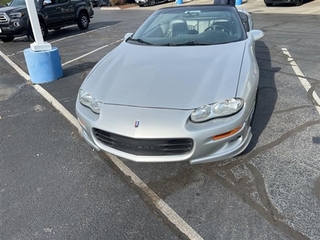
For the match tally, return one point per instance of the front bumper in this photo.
(14, 27)
(160, 124)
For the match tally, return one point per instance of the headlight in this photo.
(87, 100)
(218, 109)
(17, 14)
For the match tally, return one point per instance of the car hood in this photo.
(182, 77)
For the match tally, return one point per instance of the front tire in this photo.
(298, 2)
(83, 21)
(44, 32)
(6, 39)
(268, 4)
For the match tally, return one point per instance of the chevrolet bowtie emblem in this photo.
(136, 124)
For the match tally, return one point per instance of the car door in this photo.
(58, 12)
(51, 12)
(67, 9)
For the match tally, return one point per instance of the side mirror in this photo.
(256, 34)
(46, 2)
(127, 35)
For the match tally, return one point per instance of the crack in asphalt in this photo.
(317, 188)
(293, 109)
(266, 210)
(267, 69)
(7, 92)
(249, 156)
(311, 91)
(244, 186)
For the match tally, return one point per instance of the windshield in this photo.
(194, 25)
(16, 3)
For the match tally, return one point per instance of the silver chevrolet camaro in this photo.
(182, 87)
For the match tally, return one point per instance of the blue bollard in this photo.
(43, 66)
(179, 1)
(238, 2)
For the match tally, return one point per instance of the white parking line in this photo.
(304, 81)
(164, 208)
(72, 36)
(79, 34)
(19, 70)
(97, 49)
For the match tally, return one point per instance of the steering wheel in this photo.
(218, 28)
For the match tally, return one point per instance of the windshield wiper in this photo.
(188, 43)
(139, 40)
(192, 43)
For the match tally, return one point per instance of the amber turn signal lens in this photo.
(226, 134)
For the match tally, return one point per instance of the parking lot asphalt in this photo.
(54, 186)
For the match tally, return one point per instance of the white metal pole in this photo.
(39, 44)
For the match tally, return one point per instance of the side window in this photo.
(62, 1)
(245, 21)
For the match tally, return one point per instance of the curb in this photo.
(110, 8)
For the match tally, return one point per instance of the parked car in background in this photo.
(143, 3)
(52, 14)
(294, 2)
(182, 87)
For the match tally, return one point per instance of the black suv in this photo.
(53, 14)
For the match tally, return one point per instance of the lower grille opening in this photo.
(145, 147)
